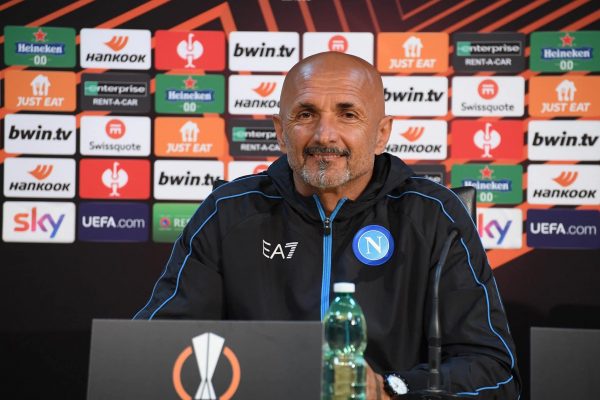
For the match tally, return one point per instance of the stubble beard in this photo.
(321, 179)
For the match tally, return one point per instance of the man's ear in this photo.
(279, 131)
(384, 130)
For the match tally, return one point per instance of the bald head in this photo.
(339, 67)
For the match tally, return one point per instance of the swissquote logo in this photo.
(207, 349)
(189, 137)
(500, 228)
(415, 96)
(185, 180)
(236, 169)
(254, 94)
(36, 222)
(39, 134)
(564, 140)
(40, 90)
(190, 50)
(411, 52)
(263, 51)
(114, 179)
(115, 136)
(39, 177)
(359, 44)
(564, 96)
(475, 96)
(487, 141)
(373, 245)
(563, 184)
(115, 48)
(418, 139)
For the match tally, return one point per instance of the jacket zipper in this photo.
(327, 244)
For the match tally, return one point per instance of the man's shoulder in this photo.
(430, 195)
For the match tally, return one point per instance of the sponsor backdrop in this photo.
(117, 117)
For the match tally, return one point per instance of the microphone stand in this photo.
(435, 391)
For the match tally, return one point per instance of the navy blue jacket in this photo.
(257, 250)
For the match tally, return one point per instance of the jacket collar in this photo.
(389, 173)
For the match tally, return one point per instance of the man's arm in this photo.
(190, 286)
(478, 353)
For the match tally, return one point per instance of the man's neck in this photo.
(330, 197)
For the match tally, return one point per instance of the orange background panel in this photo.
(169, 141)
(544, 101)
(60, 94)
(435, 47)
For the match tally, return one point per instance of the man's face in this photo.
(330, 127)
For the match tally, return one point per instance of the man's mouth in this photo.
(326, 153)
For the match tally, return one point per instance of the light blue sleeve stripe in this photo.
(175, 244)
(487, 300)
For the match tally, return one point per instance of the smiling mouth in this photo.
(326, 153)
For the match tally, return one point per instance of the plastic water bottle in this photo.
(344, 367)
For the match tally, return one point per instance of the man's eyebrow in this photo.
(345, 106)
(305, 106)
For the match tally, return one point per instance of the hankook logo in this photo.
(254, 94)
(207, 349)
(115, 48)
(418, 139)
(39, 177)
(563, 184)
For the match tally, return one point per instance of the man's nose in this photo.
(327, 129)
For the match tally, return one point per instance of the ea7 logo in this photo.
(117, 43)
(265, 88)
(285, 251)
(566, 178)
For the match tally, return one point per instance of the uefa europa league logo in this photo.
(207, 349)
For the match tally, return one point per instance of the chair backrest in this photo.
(468, 195)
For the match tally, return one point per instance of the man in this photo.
(270, 246)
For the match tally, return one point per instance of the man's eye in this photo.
(304, 115)
(349, 115)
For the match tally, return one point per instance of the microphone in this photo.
(434, 339)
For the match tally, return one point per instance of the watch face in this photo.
(397, 384)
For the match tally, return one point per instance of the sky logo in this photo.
(500, 228)
(38, 222)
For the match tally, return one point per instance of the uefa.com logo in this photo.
(207, 349)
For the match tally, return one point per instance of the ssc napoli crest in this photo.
(373, 245)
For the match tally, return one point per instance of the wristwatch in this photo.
(394, 385)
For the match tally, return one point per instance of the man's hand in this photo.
(375, 386)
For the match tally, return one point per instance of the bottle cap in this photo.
(343, 287)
